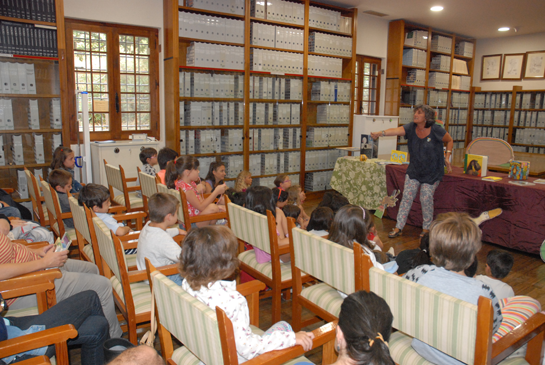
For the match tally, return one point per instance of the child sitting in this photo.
(208, 264)
(155, 241)
(281, 197)
(244, 181)
(333, 200)
(372, 234)
(292, 211)
(64, 158)
(61, 181)
(148, 157)
(410, 259)
(320, 221)
(97, 198)
(296, 196)
(236, 197)
(498, 266)
(282, 182)
(163, 158)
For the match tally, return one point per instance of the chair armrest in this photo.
(38, 360)
(31, 283)
(8, 190)
(251, 287)
(117, 209)
(322, 335)
(131, 179)
(66, 215)
(133, 188)
(517, 337)
(129, 216)
(179, 239)
(37, 244)
(140, 275)
(208, 217)
(129, 244)
(36, 340)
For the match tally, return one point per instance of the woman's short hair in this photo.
(349, 226)
(429, 114)
(320, 219)
(454, 241)
(209, 255)
(363, 316)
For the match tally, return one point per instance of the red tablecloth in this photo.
(522, 224)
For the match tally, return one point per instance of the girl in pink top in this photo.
(183, 174)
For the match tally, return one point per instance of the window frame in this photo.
(358, 102)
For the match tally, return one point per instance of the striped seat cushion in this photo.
(248, 257)
(88, 250)
(135, 201)
(131, 260)
(141, 295)
(402, 352)
(515, 311)
(46, 215)
(324, 297)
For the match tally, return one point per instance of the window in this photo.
(118, 67)
(367, 85)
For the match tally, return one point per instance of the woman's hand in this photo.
(375, 135)
(449, 167)
(304, 339)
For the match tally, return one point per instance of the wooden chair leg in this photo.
(328, 352)
(296, 315)
(276, 305)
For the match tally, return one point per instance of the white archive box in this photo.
(2, 153)
(57, 141)
(365, 124)
(39, 148)
(22, 186)
(17, 150)
(7, 111)
(33, 114)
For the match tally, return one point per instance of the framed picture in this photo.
(512, 66)
(535, 65)
(491, 67)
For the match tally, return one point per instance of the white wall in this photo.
(372, 40)
(515, 44)
(145, 13)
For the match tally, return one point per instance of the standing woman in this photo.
(425, 140)
(215, 176)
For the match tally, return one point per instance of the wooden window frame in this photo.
(361, 59)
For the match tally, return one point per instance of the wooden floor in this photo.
(527, 276)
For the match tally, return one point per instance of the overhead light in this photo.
(503, 29)
(436, 8)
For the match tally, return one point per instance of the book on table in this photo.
(475, 165)
(519, 170)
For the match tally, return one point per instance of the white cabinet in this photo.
(365, 124)
(124, 153)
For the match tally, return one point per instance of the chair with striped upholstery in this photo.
(117, 180)
(458, 328)
(38, 202)
(82, 232)
(148, 185)
(162, 188)
(55, 215)
(339, 269)
(207, 334)
(260, 231)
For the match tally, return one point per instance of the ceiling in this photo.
(473, 18)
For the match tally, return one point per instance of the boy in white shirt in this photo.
(498, 266)
(155, 241)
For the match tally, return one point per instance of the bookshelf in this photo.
(427, 66)
(33, 103)
(277, 125)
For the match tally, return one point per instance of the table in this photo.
(521, 225)
(362, 183)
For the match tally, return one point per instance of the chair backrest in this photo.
(498, 151)
(52, 209)
(250, 227)
(113, 176)
(80, 220)
(31, 183)
(162, 188)
(192, 322)
(147, 184)
(440, 320)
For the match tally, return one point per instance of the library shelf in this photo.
(27, 165)
(335, 32)
(27, 131)
(329, 55)
(409, 85)
(191, 127)
(328, 78)
(317, 125)
(505, 109)
(194, 98)
(22, 56)
(275, 101)
(443, 71)
(275, 126)
(28, 21)
(30, 96)
(530, 110)
(490, 125)
(217, 154)
(209, 69)
(415, 67)
(440, 52)
(327, 102)
(275, 73)
(209, 12)
(273, 151)
(523, 127)
(528, 145)
(273, 175)
(323, 148)
(276, 49)
(462, 57)
(458, 90)
(460, 74)
(307, 171)
(184, 39)
(415, 47)
(276, 22)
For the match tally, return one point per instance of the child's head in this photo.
(291, 211)
(260, 199)
(166, 155)
(320, 219)
(365, 315)
(236, 197)
(349, 226)
(216, 173)
(94, 196)
(296, 195)
(148, 156)
(454, 241)
(499, 263)
(333, 200)
(282, 181)
(472, 269)
(281, 197)
(423, 256)
(209, 255)
(163, 208)
(244, 180)
(60, 180)
(185, 168)
(63, 158)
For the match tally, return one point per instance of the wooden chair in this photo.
(337, 267)
(55, 215)
(116, 180)
(260, 231)
(148, 186)
(458, 328)
(207, 335)
(132, 295)
(39, 208)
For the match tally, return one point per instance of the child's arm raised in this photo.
(197, 204)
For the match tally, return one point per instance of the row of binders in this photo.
(275, 114)
(215, 56)
(277, 62)
(275, 163)
(277, 88)
(524, 118)
(17, 78)
(277, 37)
(333, 114)
(530, 101)
(500, 133)
(441, 43)
(457, 132)
(40, 10)
(329, 19)
(27, 39)
(279, 10)
(225, 6)
(330, 91)
(207, 113)
(208, 85)
(210, 28)
(321, 160)
(491, 117)
(414, 57)
(7, 121)
(457, 116)
(460, 100)
(493, 100)
(436, 98)
(416, 77)
(330, 44)
(530, 136)
(316, 181)
(327, 137)
(266, 139)
(325, 66)
(17, 148)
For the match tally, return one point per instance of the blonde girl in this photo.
(64, 158)
(244, 181)
(296, 196)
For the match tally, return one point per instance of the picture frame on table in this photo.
(535, 65)
(512, 66)
(491, 67)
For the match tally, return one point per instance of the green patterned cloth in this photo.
(362, 183)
